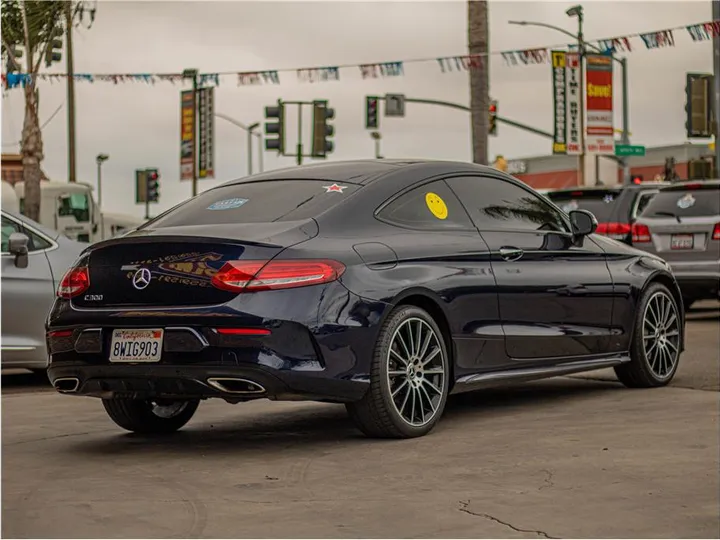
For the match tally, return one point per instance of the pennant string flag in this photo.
(698, 32)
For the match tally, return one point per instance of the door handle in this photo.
(511, 253)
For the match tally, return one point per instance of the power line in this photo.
(41, 127)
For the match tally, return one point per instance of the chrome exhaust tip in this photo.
(67, 385)
(231, 385)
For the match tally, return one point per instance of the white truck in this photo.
(70, 209)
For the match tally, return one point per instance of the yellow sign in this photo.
(436, 205)
(559, 59)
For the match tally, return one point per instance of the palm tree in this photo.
(32, 28)
(478, 41)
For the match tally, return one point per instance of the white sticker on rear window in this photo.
(686, 201)
(227, 204)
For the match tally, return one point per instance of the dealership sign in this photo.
(566, 102)
(599, 99)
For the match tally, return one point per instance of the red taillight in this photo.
(243, 331)
(617, 231)
(716, 232)
(60, 333)
(640, 233)
(252, 276)
(75, 281)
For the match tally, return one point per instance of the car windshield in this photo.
(258, 202)
(684, 203)
(600, 202)
(75, 204)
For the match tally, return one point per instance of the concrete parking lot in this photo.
(569, 457)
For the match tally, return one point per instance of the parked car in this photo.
(615, 207)
(365, 283)
(682, 225)
(34, 260)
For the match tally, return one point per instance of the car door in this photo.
(438, 247)
(27, 294)
(555, 291)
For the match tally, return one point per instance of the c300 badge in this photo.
(686, 201)
(141, 279)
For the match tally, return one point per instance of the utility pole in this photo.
(70, 68)
(249, 147)
(299, 154)
(377, 137)
(716, 80)
(100, 159)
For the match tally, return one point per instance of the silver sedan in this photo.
(34, 260)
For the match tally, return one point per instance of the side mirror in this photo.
(18, 246)
(583, 222)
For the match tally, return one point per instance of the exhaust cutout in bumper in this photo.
(233, 385)
(67, 385)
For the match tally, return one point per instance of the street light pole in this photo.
(249, 143)
(250, 131)
(100, 159)
(582, 46)
(377, 136)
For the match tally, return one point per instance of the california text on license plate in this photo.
(681, 241)
(137, 345)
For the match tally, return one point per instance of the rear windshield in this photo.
(689, 203)
(600, 202)
(258, 202)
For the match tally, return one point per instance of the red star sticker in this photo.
(334, 187)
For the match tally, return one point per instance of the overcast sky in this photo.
(138, 124)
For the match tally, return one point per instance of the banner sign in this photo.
(572, 97)
(599, 83)
(187, 135)
(559, 102)
(206, 134)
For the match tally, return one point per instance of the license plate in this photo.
(138, 345)
(681, 241)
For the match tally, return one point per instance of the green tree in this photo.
(29, 28)
(478, 40)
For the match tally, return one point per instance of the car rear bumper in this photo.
(201, 382)
(699, 286)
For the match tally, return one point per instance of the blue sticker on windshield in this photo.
(227, 204)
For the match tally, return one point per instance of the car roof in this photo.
(680, 186)
(359, 171)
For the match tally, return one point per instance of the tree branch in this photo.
(10, 52)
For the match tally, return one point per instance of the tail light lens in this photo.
(716, 232)
(75, 281)
(252, 276)
(617, 231)
(640, 233)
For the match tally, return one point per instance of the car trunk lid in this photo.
(174, 266)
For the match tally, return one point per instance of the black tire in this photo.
(139, 415)
(376, 415)
(639, 373)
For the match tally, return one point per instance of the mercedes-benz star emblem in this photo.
(141, 279)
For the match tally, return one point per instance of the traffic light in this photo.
(276, 113)
(637, 179)
(141, 190)
(698, 106)
(492, 123)
(52, 53)
(371, 112)
(322, 131)
(153, 185)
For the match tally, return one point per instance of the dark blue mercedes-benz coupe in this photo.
(385, 285)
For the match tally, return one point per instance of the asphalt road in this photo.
(568, 457)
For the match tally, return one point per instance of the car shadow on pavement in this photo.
(311, 427)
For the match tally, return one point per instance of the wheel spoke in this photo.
(431, 385)
(412, 415)
(431, 356)
(430, 401)
(426, 344)
(672, 333)
(397, 373)
(404, 346)
(401, 410)
(422, 406)
(671, 344)
(434, 371)
(418, 338)
(397, 390)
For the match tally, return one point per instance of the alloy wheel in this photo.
(416, 371)
(168, 409)
(661, 335)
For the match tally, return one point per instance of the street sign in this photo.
(629, 150)
(395, 105)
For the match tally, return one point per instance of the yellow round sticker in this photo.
(436, 205)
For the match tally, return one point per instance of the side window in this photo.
(8, 227)
(431, 206)
(498, 204)
(643, 200)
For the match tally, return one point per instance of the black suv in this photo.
(615, 207)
